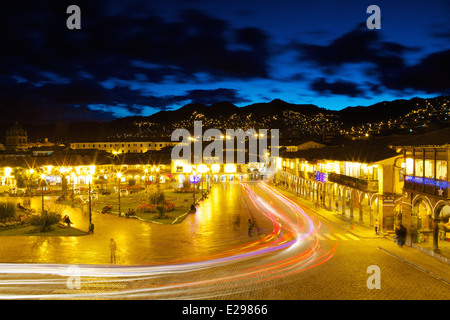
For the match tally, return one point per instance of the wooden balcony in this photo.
(429, 186)
(356, 183)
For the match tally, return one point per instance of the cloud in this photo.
(430, 75)
(339, 87)
(35, 39)
(357, 46)
(206, 97)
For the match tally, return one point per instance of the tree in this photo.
(131, 182)
(28, 179)
(64, 185)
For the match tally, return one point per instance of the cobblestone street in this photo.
(218, 230)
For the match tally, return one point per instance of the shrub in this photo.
(146, 207)
(7, 210)
(45, 222)
(161, 211)
(156, 198)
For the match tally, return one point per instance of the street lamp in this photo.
(119, 175)
(202, 169)
(42, 191)
(72, 175)
(91, 226)
(194, 179)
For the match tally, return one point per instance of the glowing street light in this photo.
(42, 192)
(119, 176)
(194, 179)
(91, 226)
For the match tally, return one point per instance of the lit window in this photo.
(441, 169)
(409, 166)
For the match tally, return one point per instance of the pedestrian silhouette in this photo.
(113, 247)
(251, 225)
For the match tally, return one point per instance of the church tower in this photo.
(16, 138)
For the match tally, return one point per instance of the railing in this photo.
(357, 183)
(427, 185)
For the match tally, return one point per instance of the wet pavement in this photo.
(219, 223)
(180, 261)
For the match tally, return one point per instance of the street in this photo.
(294, 254)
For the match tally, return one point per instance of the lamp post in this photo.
(194, 181)
(119, 175)
(202, 169)
(42, 192)
(72, 176)
(91, 226)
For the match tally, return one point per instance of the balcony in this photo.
(429, 186)
(356, 183)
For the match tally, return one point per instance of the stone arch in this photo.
(422, 216)
(442, 211)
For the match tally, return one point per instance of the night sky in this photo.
(140, 57)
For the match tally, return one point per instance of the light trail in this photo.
(289, 248)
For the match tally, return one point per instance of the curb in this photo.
(415, 265)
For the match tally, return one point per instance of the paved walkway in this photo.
(419, 255)
(219, 224)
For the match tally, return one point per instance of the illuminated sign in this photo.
(321, 177)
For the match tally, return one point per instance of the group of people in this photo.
(66, 220)
(130, 212)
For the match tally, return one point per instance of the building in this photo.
(16, 138)
(304, 145)
(120, 147)
(426, 197)
(362, 181)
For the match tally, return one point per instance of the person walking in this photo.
(377, 226)
(113, 247)
(400, 235)
(251, 224)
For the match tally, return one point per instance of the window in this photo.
(429, 169)
(419, 168)
(441, 169)
(409, 166)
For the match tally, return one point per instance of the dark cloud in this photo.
(57, 67)
(106, 44)
(338, 87)
(357, 46)
(430, 75)
(62, 102)
(386, 64)
(206, 97)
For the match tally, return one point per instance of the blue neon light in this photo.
(440, 184)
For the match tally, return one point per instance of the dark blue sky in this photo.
(139, 57)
